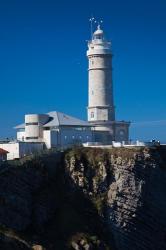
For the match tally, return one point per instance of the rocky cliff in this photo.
(85, 199)
(128, 188)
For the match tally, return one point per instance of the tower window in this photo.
(92, 115)
(98, 36)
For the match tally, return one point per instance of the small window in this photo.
(98, 36)
(32, 138)
(46, 128)
(121, 132)
(31, 123)
(92, 114)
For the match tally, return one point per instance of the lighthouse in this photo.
(100, 103)
(101, 109)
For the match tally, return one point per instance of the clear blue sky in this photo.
(43, 64)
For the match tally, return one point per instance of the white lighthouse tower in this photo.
(101, 110)
(101, 105)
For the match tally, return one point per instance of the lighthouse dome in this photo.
(99, 31)
(98, 34)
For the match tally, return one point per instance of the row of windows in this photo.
(71, 128)
(95, 56)
(31, 123)
(75, 137)
(66, 137)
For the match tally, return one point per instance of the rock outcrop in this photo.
(128, 187)
(137, 203)
(85, 199)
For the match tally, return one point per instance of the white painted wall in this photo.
(100, 102)
(34, 127)
(61, 137)
(66, 136)
(12, 148)
(19, 149)
(50, 138)
(29, 148)
(69, 136)
(21, 135)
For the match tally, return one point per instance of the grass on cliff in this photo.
(95, 155)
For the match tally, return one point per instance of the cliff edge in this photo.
(85, 199)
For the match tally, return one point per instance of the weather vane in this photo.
(99, 22)
(92, 21)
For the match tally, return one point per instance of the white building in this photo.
(101, 109)
(54, 129)
(18, 149)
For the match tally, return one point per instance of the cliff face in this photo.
(137, 202)
(128, 187)
(40, 209)
(85, 199)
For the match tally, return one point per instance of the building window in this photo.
(31, 123)
(47, 128)
(65, 137)
(98, 37)
(121, 132)
(31, 138)
(92, 115)
(92, 92)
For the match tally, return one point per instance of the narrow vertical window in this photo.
(92, 114)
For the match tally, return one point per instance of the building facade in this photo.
(18, 149)
(54, 129)
(101, 109)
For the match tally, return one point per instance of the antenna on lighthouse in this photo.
(99, 23)
(92, 20)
